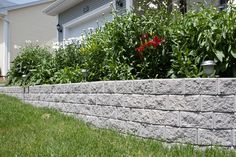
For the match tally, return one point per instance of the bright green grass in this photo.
(27, 132)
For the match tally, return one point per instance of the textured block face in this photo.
(124, 87)
(96, 87)
(63, 88)
(123, 113)
(120, 126)
(209, 102)
(234, 137)
(182, 135)
(201, 86)
(215, 137)
(169, 118)
(81, 88)
(225, 104)
(227, 86)
(143, 86)
(197, 120)
(192, 86)
(13, 89)
(134, 101)
(158, 102)
(153, 131)
(103, 99)
(41, 89)
(192, 103)
(109, 87)
(106, 111)
(115, 100)
(169, 86)
(176, 101)
(225, 121)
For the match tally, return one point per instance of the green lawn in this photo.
(26, 131)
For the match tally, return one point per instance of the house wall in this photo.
(194, 111)
(1, 44)
(30, 23)
(78, 11)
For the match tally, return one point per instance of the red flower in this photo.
(154, 42)
(158, 40)
(140, 48)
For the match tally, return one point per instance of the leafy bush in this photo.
(155, 43)
(202, 35)
(31, 59)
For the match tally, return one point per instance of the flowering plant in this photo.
(154, 42)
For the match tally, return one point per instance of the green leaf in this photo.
(220, 55)
(233, 53)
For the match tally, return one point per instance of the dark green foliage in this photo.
(110, 53)
(33, 59)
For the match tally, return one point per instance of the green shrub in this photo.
(32, 57)
(202, 35)
(124, 49)
(68, 56)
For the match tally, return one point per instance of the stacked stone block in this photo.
(196, 111)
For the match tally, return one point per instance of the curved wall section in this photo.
(196, 111)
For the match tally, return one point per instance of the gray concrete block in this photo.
(169, 118)
(14, 89)
(158, 102)
(109, 87)
(182, 135)
(90, 110)
(63, 88)
(133, 101)
(143, 86)
(169, 86)
(196, 120)
(224, 120)
(234, 137)
(134, 128)
(207, 86)
(215, 137)
(124, 87)
(121, 126)
(123, 113)
(46, 97)
(208, 103)
(225, 104)
(176, 102)
(227, 86)
(115, 100)
(103, 99)
(97, 87)
(153, 131)
(41, 89)
(105, 111)
(81, 88)
(192, 103)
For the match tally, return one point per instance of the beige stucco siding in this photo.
(1, 43)
(30, 24)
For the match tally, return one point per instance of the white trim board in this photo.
(93, 14)
(84, 18)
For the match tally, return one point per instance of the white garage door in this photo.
(91, 20)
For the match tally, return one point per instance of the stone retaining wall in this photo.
(197, 111)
